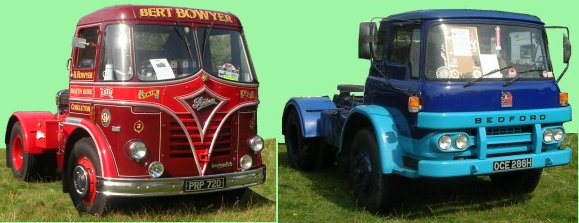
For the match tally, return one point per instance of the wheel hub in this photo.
(17, 153)
(80, 180)
(362, 171)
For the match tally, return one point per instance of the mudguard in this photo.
(107, 161)
(310, 112)
(386, 132)
(39, 131)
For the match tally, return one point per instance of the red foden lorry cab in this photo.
(162, 101)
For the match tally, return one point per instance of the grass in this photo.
(326, 196)
(45, 201)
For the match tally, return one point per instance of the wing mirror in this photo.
(79, 42)
(367, 40)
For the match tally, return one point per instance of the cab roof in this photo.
(464, 14)
(159, 13)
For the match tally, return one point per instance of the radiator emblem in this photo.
(506, 99)
(201, 103)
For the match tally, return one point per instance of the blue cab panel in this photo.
(441, 96)
(436, 14)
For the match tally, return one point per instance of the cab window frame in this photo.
(78, 51)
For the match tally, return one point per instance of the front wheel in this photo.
(84, 169)
(372, 189)
(517, 182)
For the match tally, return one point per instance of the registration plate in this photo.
(512, 164)
(205, 184)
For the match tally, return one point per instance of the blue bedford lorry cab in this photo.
(450, 93)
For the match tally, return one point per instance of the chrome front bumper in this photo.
(127, 187)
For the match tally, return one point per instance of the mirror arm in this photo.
(568, 37)
(563, 73)
(559, 27)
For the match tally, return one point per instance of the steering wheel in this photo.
(146, 71)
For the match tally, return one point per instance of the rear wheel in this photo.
(83, 171)
(517, 182)
(23, 164)
(303, 154)
(372, 189)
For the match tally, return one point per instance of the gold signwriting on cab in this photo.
(247, 94)
(185, 13)
(83, 108)
(142, 94)
(81, 91)
(84, 75)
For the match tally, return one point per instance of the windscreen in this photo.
(164, 52)
(225, 54)
(469, 51)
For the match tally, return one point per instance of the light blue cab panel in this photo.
(388, 140)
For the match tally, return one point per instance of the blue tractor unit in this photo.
(450, 93)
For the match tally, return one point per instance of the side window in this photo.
(116, 63)
(405, 48)
(85, 57)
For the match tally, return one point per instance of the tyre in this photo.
(22, 163)
(83, 170)
(517, 182)
(303, 154)
(373, 190)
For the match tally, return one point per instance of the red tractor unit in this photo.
(162, 101)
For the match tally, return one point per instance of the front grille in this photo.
(491, 131)
(179, 146)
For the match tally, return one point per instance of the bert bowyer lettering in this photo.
(185, 13)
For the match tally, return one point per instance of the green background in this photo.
(299, 48)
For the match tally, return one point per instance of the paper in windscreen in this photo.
(461, 42)
(162, 69)
(462, 48)
(488, 63)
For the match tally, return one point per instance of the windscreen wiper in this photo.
(471, 82)
(517, 77)
(184, 38)
(205, 40)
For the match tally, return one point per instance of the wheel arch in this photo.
(382, 123)
(29, 124)
(84, 128)
(310, 112)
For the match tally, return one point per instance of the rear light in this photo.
(414, 104)
(563, 98)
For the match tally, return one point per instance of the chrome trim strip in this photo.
(126, 187)
(170, 82)
(160, 107)
(152, 83)
(216, 135)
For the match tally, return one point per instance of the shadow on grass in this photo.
(420, 197)
(189, 204)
